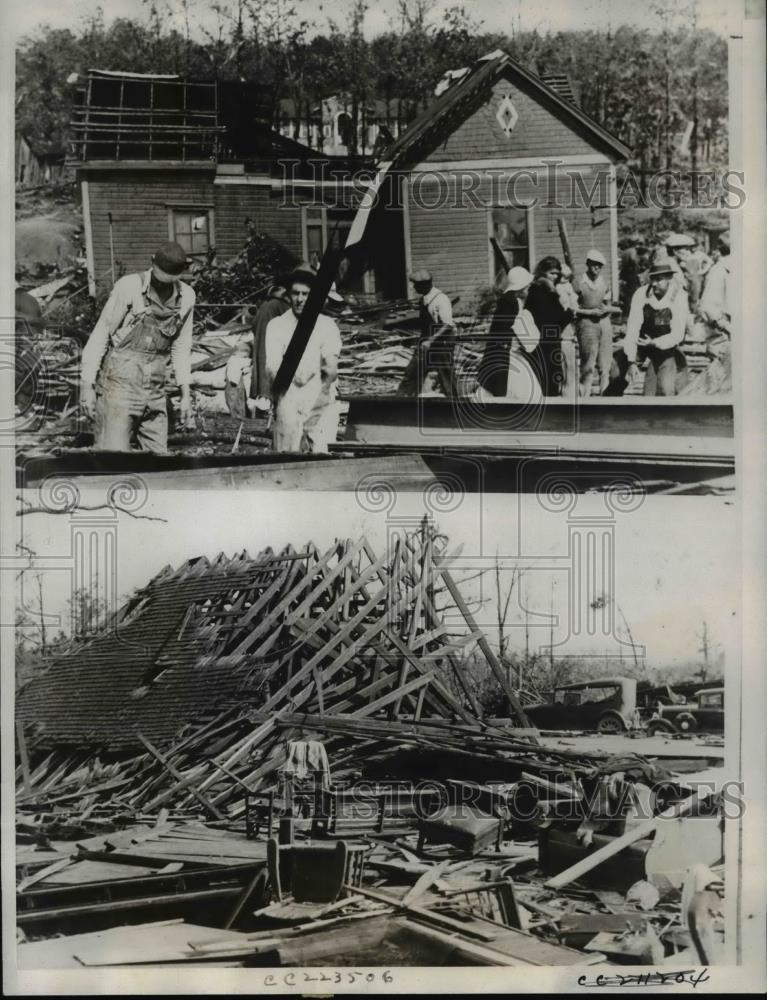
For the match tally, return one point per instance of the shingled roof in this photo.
(468, 93)
(144, 672)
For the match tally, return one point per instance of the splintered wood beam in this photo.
(180, 777)
(403, 671)
(374, 560)
(318, 687)
(615, 846)
(235, 753)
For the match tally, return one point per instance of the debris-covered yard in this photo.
(281, 759)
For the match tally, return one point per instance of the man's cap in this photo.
(171, 260)
(596, 257)
(662, 267)
(519, 278)
(421, 276)
(303, 274)
(674, 240)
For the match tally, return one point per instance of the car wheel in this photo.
(686, 723)
(658, 726)
(611, 723)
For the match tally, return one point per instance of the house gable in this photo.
(539, 131)
(461, 123)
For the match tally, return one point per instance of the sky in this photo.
(24, 16)
(674, 559)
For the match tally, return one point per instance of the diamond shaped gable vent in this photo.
(507, 115)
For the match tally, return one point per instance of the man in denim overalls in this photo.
(147, 320)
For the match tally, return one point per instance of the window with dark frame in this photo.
(510, 229)
(190, 228)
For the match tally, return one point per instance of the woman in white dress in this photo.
(505, 373)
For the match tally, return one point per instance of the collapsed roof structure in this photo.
(340, 631)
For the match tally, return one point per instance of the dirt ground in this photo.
(48, 230)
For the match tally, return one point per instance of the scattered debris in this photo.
(287, 751)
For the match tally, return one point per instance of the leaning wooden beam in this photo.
(180, 777)
(428, 916)
(23, 755)
(489, 655)
(318, 293)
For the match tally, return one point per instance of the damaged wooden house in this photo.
(500, 155)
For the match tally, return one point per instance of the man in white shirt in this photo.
(655, 328)
(595, 331)
(306, 416)
(715, 300)
(124, 369)
(435, 350)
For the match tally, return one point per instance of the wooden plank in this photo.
(44, 873)
(639, 832)
(172, 770)
(421, 913)
(21, 741)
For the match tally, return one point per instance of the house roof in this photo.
(146, 673)
(561, 84)
(467, 93)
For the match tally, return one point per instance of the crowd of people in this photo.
(551, 334)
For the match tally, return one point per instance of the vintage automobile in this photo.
(607, 705)
(705, 712)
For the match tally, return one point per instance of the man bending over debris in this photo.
(306, 417)
(147, 319)
(436, 348)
